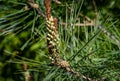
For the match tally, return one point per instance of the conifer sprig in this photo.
(53, 44)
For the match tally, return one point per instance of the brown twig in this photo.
(78, 24)
(36, 6)
(86, 17)
(48, 7)
(95, 9)
(57, 1)
(26, 73)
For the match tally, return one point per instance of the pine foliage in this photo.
(89, 42)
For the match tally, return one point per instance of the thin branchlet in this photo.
(109, 34)
(26, 73)
(36, 6)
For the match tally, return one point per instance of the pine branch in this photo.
(53, 44)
